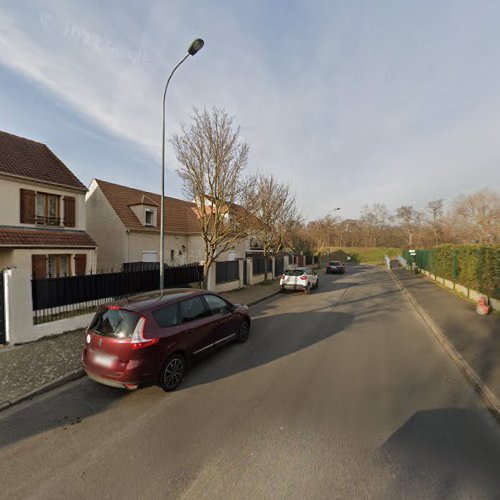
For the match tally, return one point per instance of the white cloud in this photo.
(353, 105)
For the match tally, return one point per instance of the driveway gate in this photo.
(2, 310)
(279, 265)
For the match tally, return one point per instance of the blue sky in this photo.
(353, 102)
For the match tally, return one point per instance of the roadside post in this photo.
(413, 254)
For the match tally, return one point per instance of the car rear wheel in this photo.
(243, 332)
(172, 372)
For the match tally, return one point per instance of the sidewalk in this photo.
(30, 369)
(476, 339)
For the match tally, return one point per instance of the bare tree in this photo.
(213, 160)
(374, 218)
(436, 209)
(323, 233)
(476, 217)
(276, 214)
(409, 218)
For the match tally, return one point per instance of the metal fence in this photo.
(279, 265)
(258, 265)
(227, 271)
(57, 298)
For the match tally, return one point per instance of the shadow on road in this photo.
(60, 409)
(442, 448)
(272, 337)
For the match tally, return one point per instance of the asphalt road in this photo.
(340, 394)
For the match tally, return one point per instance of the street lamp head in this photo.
(196, 46)
(338, 208)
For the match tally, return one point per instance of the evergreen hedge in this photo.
(473, 266)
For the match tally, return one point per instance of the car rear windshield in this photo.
(294, 272)
(117, 323)
(335, 263)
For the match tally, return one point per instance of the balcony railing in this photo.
(48, 221)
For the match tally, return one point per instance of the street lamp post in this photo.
(196, 46)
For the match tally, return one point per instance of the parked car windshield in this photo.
(294, 272)
(117, 323)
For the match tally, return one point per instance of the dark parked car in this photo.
(335, 266)
(156, 337)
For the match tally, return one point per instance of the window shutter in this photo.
(80, 264)
(39, 266)
(69, 211)
(28, 198)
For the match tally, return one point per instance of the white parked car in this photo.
(302, 278)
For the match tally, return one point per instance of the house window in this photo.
(149, 215)
(172, 254)
(47, 209)
(58, 266)
(149, 256)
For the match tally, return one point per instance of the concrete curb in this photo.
(490, 400)
(262, 299)
(44, 388)
(80, 373)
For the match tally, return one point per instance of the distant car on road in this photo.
(335, 267)
(302, 278)
(155, 337)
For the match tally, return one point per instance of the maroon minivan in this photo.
(155, 337)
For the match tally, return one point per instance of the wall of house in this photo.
(196, 250)
(5, 258)
(20, 258)
(10, 202)
(107, 230)
(150, 242)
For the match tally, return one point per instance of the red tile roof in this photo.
(44, 238)
(180, 215)
(33, 160)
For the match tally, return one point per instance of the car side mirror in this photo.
(227, 309)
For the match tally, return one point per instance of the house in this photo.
(125, 223)
(42, 212)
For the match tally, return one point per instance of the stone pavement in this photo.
(36, 367)
(476, 338)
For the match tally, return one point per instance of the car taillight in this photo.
(138, 341)
(303, 277)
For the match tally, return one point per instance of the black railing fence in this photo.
(227, 271)
(258, 265)
(57, 298)
(279, 265)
